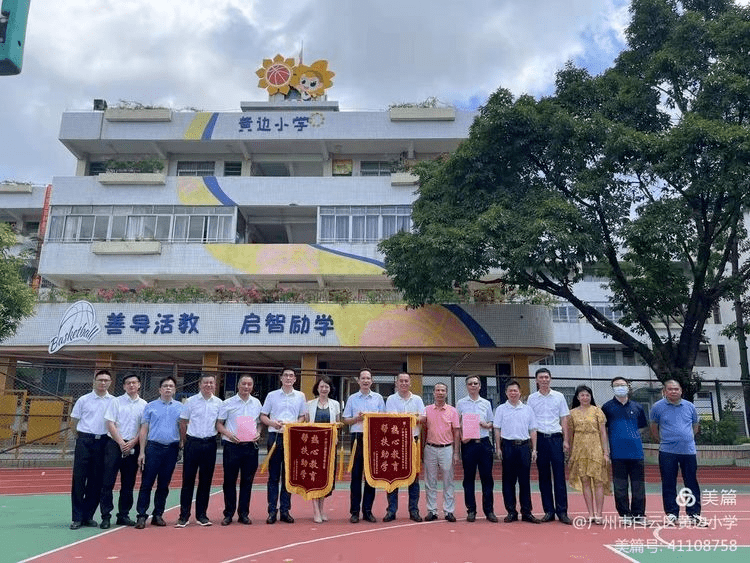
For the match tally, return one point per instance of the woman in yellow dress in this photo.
(589, 457)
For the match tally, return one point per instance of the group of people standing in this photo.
(125, 434)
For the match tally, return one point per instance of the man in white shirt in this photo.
(281, 407)
(363, 401)
(198, 432)
(552, 413)
(515, 431)
(476, 453)
(88, 459)
(123, 418)
(404, 401)
(240, 455)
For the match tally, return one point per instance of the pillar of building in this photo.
(210, 364)
(415, 367)
(309, 365)
(519, 370)
(7, 374)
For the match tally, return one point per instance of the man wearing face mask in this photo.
(625, 418)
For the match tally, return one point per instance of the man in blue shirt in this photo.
(160, 445)
(625, 418)
(674, 423)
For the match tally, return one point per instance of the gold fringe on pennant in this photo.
(417, 454)
(351, 457)
(340, 471)
(264, 465)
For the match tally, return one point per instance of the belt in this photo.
(239, 444)
(208, 439)
(553, 435)
(159, 444)
(516, 442)
(439, 445)
(479, 440)
(92, 436)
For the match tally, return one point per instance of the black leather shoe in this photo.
(548, 517)
(286, 517)
(471, 516)
(414, 516)
(271, 518)
(389, 517)
(158, 521)
(491, 517)
(105, 525)
(510, 518)
(226, 521)
(354, 518)
(531, 519)
(244, 520)
(449, 516)
(369, 517)
(75, 525)
(124, 521)
(565, 519)
(140, 523)
(431, 517)
(89, 523)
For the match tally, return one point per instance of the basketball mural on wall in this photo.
(281, 75)
(77, 323)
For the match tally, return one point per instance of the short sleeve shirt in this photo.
(89, 410)
(126, 413)
(481, 407)
(284, 407)
(201, 414)
(234, 407)
(623, 424)
(357, 403)
(412, 404)
(440, 424)
(162, 419)
(516, 422)
(548, 410)
(675, 426)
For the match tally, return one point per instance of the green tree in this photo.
(16, 297)
(642, 173)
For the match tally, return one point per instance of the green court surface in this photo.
(35, 524)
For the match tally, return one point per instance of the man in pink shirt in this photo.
(441, 451)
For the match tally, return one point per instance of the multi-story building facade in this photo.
(275, 212)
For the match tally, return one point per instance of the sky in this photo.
(204, 53)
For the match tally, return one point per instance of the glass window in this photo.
(376, 168)
(195, 167)
(232, 168)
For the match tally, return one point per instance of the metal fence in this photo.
(35, 422)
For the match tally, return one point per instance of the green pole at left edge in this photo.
(13, 17)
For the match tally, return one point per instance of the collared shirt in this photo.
(89, 410)
(201, 414)
(126, 413)
(440, 424)
(162, 419)
(675, 426)
(284, 407)
(234, 407)
(412, 404)
(481, 407)
(623, 423)
(357, 403)
(514, 421)
(548, 410)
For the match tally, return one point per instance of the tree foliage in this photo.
(16, 297)
(642, 172)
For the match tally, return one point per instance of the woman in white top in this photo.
(322, 409)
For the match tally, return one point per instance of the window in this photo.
(603, 357)
(96, 168)
(195, 168)
(716, 314)
(232, 168)
(363, 223)
(722, 351)
(142, 222)
(376, 168)
(565, 314)
(608, 311)
(561, 357)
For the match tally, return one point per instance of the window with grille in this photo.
(376, 168)
(195, 167)
(232, 168)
